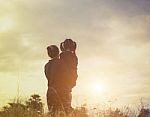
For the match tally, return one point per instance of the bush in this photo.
(32, 108)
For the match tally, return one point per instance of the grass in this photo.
(28, 109)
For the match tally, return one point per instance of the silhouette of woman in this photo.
(52, 98)
(61, 74)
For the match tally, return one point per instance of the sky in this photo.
(113, 47)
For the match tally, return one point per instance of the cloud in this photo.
(112, 36)
(94, 24)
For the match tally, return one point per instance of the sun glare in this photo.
(6, 23)
(96, 88)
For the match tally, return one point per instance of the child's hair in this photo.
(53, 51)
(68, 44)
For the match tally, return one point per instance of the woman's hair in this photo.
(53, 51)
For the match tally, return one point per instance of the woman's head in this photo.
(53, 51)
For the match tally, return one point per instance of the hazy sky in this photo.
(113, 38)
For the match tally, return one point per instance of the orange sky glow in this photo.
(113, 48)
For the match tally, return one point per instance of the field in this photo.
(33, 107)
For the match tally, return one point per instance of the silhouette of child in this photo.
(62, 75)
(69, 62)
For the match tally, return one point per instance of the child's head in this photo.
(53, 51)
(68, 45)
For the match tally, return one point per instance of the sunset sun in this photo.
(96, 88)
